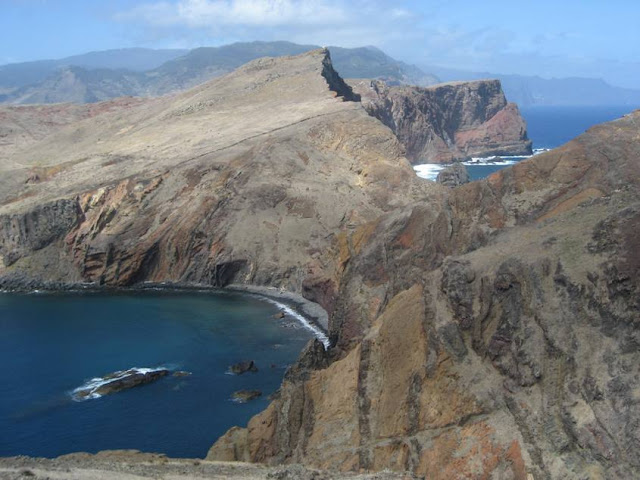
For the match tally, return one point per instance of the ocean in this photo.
(548, 127)
(51, 344)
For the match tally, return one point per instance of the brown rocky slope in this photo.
(448, 121)
(494, 336)
(486, 331)
(247, 179)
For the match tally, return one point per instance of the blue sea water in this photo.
(548, 127)
(51, 344)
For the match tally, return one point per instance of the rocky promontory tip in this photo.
(447, 122)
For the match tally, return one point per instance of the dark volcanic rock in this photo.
(118, 381)
(453, 175)
(243, 367)
(244, 396)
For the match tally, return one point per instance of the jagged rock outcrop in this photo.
(496, 337)
(448, 121)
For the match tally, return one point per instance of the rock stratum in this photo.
(485, 331)
(449, 121)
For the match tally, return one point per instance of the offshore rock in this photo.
(448, 121)
(243, 367)
(118, 381)
(244, 396)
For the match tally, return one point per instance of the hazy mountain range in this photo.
(100, 76)
(534, 90)
(97, 76)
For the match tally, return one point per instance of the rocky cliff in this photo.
(449, 121)
(249, 178)
(485, 331)
(494, 335)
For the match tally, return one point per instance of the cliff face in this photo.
(493, 336)
(248, 178)
(450, 121)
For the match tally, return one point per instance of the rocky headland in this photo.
(448, 121)
(489, 330)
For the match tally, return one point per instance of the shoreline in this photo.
(310, 314)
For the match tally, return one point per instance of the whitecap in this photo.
(428, 171)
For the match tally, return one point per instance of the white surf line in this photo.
(320, 335)
(430, 171)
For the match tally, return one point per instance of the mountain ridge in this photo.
(526, 90)
(179, 73)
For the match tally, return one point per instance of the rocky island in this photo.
(489, 330)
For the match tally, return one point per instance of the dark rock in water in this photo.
(279, 315)
(242, 367)
(181, 373)
(244, 396)
(117, 381)
(453, 175)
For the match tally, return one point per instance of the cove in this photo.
(51, 344)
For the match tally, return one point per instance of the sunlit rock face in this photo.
(495, 337)
(448, 121)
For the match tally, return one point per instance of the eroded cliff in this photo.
(493, 336)
(448, 121)
(248, 178)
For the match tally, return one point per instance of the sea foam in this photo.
(304, 322)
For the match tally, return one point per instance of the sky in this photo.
(549, 38)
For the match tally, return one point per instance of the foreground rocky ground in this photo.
(128, 465)
(485, 331)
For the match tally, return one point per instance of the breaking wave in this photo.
(430, 170)
(319, 334)
(89, 389)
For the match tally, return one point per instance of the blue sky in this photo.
(559, 38)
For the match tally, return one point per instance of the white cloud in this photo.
(250, 13)
(426, 32)
(322, 22)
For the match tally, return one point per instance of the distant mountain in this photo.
(202, 64)
(17, 75)
(533, 90)
(100, 76)
(371, 62)
(79, 85)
